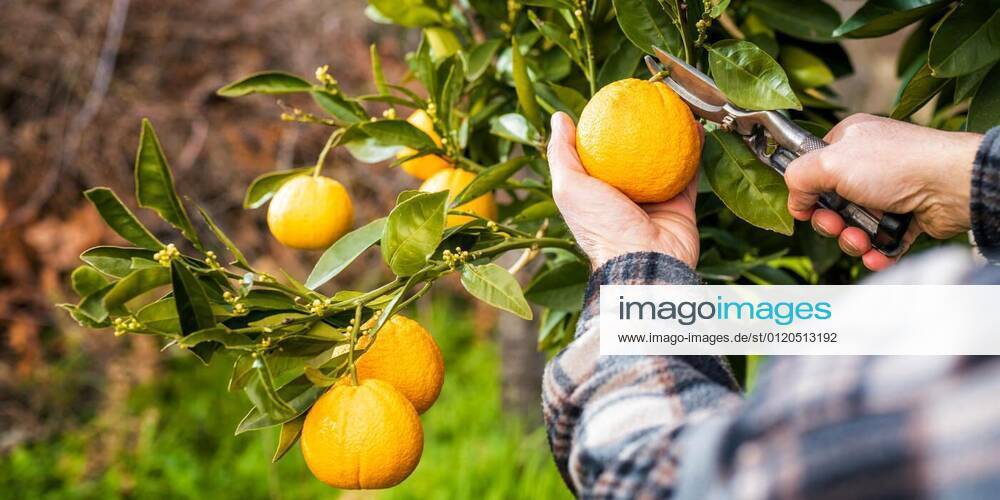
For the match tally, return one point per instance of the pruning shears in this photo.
(776, 140)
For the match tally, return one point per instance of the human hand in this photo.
(604, 221)
(886, 165)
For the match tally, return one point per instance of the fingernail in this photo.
(821, 230)
(556, 122)
(850, 249)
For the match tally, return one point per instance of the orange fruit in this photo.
(310, 213)
(641, 138)
(362, 437)
(405, 355)
(422, 167)
(454, 181)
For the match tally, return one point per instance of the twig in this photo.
(528, 254)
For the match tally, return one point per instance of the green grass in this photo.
(182, 443)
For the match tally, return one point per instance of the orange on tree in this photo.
(639, 137)
(422, 167)
(405, 355)
(362, 436)
(310, 212)
(454, 181)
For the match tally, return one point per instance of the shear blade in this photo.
(695, 82)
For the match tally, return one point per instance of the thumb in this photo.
(807, 177)
(564, 162)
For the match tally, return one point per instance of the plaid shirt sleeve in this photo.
(613, 420)
(985, 196)
(815, 427)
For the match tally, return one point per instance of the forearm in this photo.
(613, 421)
(984, 203)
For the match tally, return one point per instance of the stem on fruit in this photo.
(334, 139)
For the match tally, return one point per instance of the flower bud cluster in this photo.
(324, 77)
(166, 255)
(455, 258)
(318, 307)
(232, 299)
(125, 324)
(212, 260)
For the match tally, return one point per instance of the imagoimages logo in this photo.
(689, 312)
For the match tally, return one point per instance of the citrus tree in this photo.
(481, 84)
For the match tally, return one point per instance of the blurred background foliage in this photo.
(84, 415)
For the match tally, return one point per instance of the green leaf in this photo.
(443, 42)
(966, 85)
(290, 432)
(451, 92)
(646, 25)
(115, 261)
(914, 48)
(161, 315)
(398, 132)
(480, 57)
(966, 40)
(535, 211)
(558, 35)
(752, 190)
(135, 284)
(262, 298)
(489, 179)
(299, 394)
(217, 334)
(560, 287)
(516, 128)
(377, 75)
(87, 280)
(522, 84)
(193, 309)
(749, 77)
(263, 188)
(409, 13)
(347, 112)
(422, 65)
(83, 319)
(92, 306)
(497, 287)
(880, 17)
(262, 393)
(804, 69)
(154, 184)
(554, 97)
(412, 232)
(718, 7)
(120, 218)
(984, 110)
(344, 251)
(268, 82)
(550, 4)
(233, 249)
(620, 63)
(919, 90)
(371, 150)
(242, 369)
(812, 20)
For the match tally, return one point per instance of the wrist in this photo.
(948, 186)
